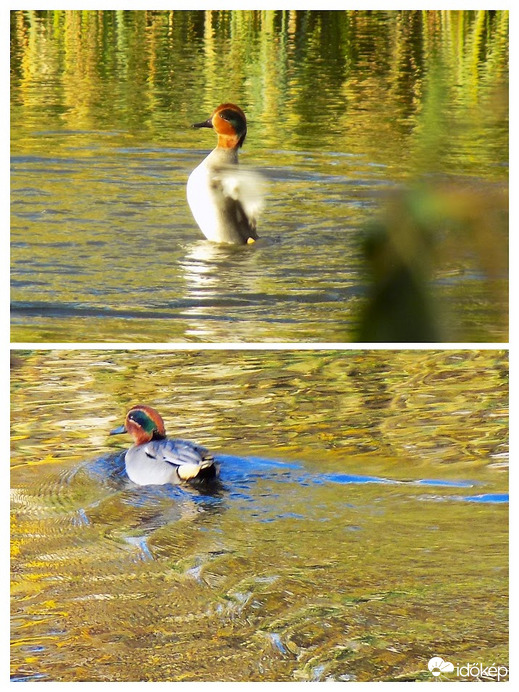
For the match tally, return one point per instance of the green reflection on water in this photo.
(342, 106)
(287, 576)
(353, 80)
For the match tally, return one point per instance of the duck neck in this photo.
(232, 142)
(223, 156)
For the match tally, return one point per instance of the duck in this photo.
(225, 200)
(155, 459)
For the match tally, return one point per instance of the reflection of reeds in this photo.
(364, 73)
(420, 92)
(439, 231)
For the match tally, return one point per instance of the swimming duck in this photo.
(225, 199)
(154, 459)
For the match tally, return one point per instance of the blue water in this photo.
(239, 476)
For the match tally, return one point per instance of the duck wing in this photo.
(188, 458)
(241, 193)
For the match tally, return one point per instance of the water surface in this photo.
(344, 108)
(360, 526)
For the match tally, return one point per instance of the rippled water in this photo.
(359, 526)
(343, 108)
(148, 273)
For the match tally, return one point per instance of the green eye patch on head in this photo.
(143, 420)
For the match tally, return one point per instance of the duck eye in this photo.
(228, 115)
(142, 419)
(138, 417)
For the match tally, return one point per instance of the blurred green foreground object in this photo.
(425, 237)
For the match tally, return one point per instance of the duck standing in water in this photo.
(154, 459)
(225, 199)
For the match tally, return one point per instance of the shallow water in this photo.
(358, 529)
(343, 108)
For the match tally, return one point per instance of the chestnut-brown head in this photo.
(143, 423)
(230, 124)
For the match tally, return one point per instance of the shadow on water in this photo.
(237, 485)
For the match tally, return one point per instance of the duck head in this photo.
(143, 423)
(230, 125)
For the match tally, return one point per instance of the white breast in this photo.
(201, 200)
(225, 199)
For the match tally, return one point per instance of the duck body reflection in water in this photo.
(224, 199)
